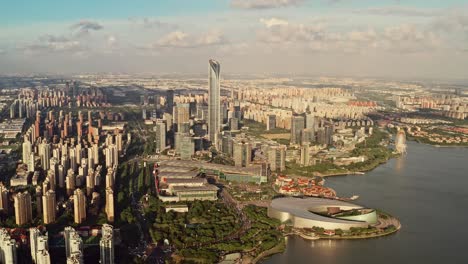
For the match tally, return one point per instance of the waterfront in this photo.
(426, 190)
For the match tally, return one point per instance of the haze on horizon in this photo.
(388, 38)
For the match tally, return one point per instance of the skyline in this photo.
(414, 39)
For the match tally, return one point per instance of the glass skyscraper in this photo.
(214, 111)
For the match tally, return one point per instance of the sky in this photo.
(353, 38)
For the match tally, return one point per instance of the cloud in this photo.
(271, 22)
(150, 23)
(50, 43)
(404, 38)
(399, 11)
(174, 39)
(179, 39)
(85, 26)
(264, 4)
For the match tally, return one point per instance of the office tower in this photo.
(3, 199)
(169, 101)
(49, 205)
(79, 204)
(27, 149)
(277, 157)
(310, 122)
(187, 148)
(160, 130)
(39, 246)
(7, 248)
(242, 154)
(73, 245)
(44, 154)
(305, 155)
(181, 113)
(23, 210)
(110, 204)
(214, 104)
(106, 244)
(297, 125)
(233, 123)
(307, 136)
(271, 122)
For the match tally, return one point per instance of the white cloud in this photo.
(179, 39)
(263, 4)
(399, 11)
(271, 22)
(174, 39)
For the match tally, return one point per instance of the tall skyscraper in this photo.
(277, 157)
(49, 204)
(23, 210)
(44, 153)
(79, 204)
(160, 130)
(242, 154)
(106, 245)
(27, 148)
(214, 103)
(297, 125)
(3, 199)
(73, 245)
(39, 246)
(169, 100)
(7, 248)
(110, 204)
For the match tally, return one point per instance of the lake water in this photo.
(427, 190)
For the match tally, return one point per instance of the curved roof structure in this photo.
(300, 212)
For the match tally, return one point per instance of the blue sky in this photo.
(405, 38)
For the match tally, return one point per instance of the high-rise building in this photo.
(214, 103)
(305, 155)
(160, 130)
(271, 122)
(79, 204)
(39, 246)
(297, 125)
(242, 154)
(277, 157)
(106, 244)
(110, 204)
(44, 153)
(169, 101)
(49, 204)
(187, 148)
(27, 149)
(181, 113)
(7, 248)
(73, 245)
(23, 210)
(3, 199)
